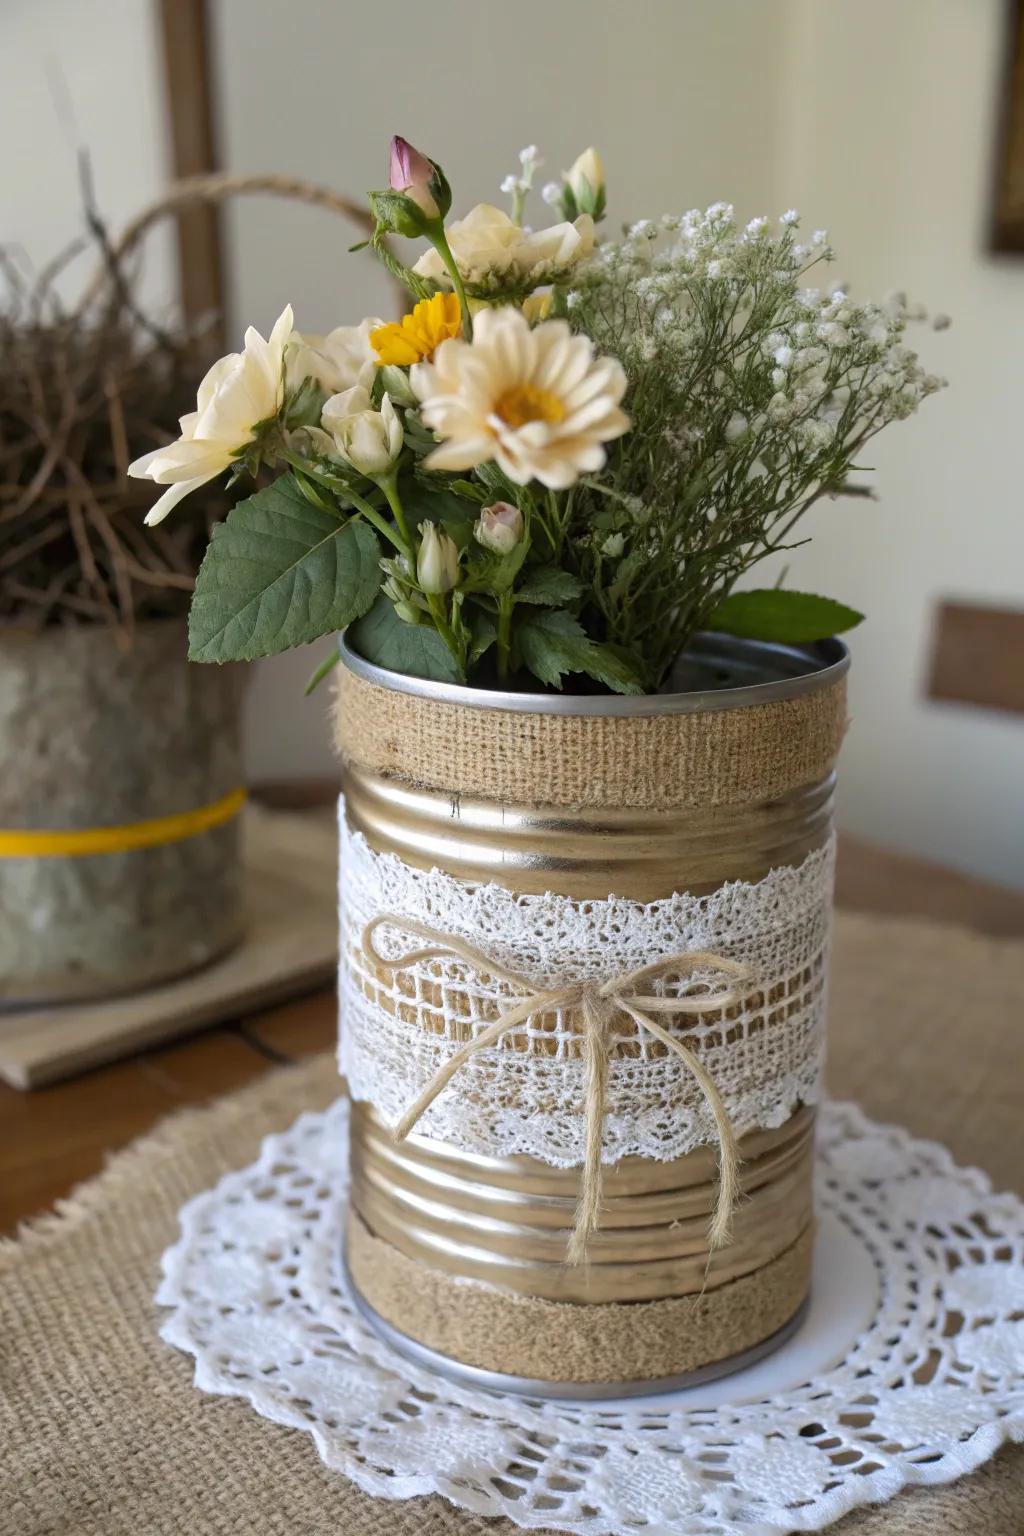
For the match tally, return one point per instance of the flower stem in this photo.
(440, 242)
(445, 630)
(389, 485)
(380, 522)
(506, 602)
(399, 539)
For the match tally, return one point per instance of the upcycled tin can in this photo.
(458, 1256)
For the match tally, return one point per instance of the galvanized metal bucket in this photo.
(459, 1258)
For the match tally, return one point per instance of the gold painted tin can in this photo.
(458, 1255)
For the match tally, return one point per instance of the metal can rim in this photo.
(795, 669)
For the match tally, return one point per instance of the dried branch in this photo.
(79, 399)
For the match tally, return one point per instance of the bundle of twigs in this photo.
(81, 395)
(83, 391)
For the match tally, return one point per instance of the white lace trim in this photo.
(930, 1390)
(515, 1098)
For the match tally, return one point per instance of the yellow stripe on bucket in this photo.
(137, 834)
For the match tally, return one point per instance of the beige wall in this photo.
(889, 111)
(80, 74)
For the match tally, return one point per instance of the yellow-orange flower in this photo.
(417, 336)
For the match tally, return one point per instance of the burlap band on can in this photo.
(659, 761)
(481, 1325)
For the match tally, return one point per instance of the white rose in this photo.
(238, 393)
(337, 362)
(559, 246)
(370, 440)
(487, 241)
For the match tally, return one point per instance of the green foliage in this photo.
(788, 617)
(280, 572)
(549, 587)
(553, 643)
(415, 649)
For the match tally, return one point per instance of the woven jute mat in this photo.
(103, 1434)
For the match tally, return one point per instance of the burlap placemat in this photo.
(102, 1433)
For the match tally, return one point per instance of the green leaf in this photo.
(549, 587)
(280, 572)
(483, 630)
(415, 649)
(436, 505)
(787, 617)
(469, 489)
(554, 643)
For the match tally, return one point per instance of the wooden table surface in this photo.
(55, 1137)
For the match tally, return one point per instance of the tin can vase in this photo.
(583, 975)
(120, 857)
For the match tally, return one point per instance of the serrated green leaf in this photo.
(553, 643)
(786, 617)
(280, 572)
(414, 649)
(549, 587)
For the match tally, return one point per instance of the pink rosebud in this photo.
(408, 167)
(412, 174)
(500, 527)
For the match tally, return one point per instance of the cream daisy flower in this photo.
(536, 400)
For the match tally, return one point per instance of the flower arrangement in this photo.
(560, 462)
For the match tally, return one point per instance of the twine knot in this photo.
(597, 1005)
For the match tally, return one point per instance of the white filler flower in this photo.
(239, 392)
(536, 400)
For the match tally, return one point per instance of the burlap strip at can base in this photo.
(480, 1325)
(708, 758)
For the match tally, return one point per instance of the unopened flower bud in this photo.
(585, 180)
(437, 566)
(418, 179)
(499, 527)
(396, 384)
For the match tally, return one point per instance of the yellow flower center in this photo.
(417, 336)
(525, 402)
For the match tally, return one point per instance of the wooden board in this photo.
(290, 948)
(978, 656)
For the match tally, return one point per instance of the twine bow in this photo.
(598, 1003)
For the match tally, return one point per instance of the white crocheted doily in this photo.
(929, 1388)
